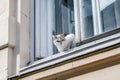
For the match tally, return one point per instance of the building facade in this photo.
(27, 51)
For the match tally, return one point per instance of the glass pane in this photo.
(108, 18)
(64, 16)
(117, 12)
(44, 22)
(110, 14)
(87, 19)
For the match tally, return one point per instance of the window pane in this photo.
(44, 22)
(117, 12)
(110, 11)
(87, 18)
(64, 16)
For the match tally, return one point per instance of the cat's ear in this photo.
(54, 37)
(62, 35)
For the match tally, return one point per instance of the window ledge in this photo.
(72, 53)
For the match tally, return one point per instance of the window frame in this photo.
(32, 32)
(96, 43)
(78, 26)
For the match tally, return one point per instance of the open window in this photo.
(51, 17)
(85, 18)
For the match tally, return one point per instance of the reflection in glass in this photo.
(110, 14)
(64, 16)
(108, 18)
(87, 19)
(117, 12)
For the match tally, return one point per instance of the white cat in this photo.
(63, 42)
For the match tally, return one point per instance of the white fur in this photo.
(66, 44)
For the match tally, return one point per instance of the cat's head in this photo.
(59, 39)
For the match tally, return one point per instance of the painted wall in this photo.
(4, 12)
(3, 64)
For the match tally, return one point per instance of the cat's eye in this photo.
(63, 39)
(57, 41)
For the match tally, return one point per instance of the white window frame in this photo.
(32, 31)
(79, 36)
(96, 17)
(77, 21)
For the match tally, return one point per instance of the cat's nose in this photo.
(61, 42)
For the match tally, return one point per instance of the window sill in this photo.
(86, 48)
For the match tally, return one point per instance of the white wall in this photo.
(3, 22)
(4, 12)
